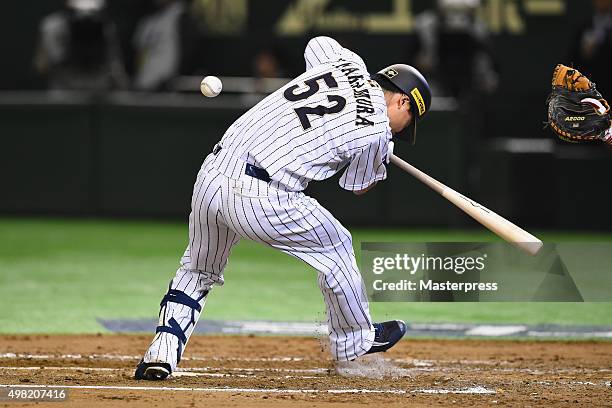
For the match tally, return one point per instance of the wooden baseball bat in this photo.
(494, 222)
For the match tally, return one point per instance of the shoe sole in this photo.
(155, 373)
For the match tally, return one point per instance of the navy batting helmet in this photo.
(408, 80)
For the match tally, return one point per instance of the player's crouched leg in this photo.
(180, 310)
(351, 331)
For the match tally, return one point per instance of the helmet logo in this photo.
(390, 73)
(420, 102)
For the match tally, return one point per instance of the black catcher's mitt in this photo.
(576, 110)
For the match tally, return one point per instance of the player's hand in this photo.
(390, 151)
(365, 190)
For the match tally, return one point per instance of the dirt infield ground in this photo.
(241, 371)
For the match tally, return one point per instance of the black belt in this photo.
(258, 173)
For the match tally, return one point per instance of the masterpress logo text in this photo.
(412, 264)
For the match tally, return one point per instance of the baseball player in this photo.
(334, 116)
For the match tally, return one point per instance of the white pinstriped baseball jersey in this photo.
(328, 118)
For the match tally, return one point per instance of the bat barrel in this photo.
(494, 222)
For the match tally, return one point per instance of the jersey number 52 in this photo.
(313, 86)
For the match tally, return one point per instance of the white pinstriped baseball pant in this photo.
(224, 210)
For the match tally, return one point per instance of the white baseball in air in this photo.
(211, 86)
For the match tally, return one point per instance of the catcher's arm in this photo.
(577, 112)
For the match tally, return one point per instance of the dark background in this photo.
(138, 155)
(525, 60)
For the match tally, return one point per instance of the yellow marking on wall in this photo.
(222, 17)
(514, 21)
(545, 7)
(500, 16)
(400, 20)
(305, 15)
(300, 16)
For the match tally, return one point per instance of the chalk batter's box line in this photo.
(469, 390)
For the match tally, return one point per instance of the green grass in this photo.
(59, 276)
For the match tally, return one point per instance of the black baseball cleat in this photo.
(152, 371)
(386, 334)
